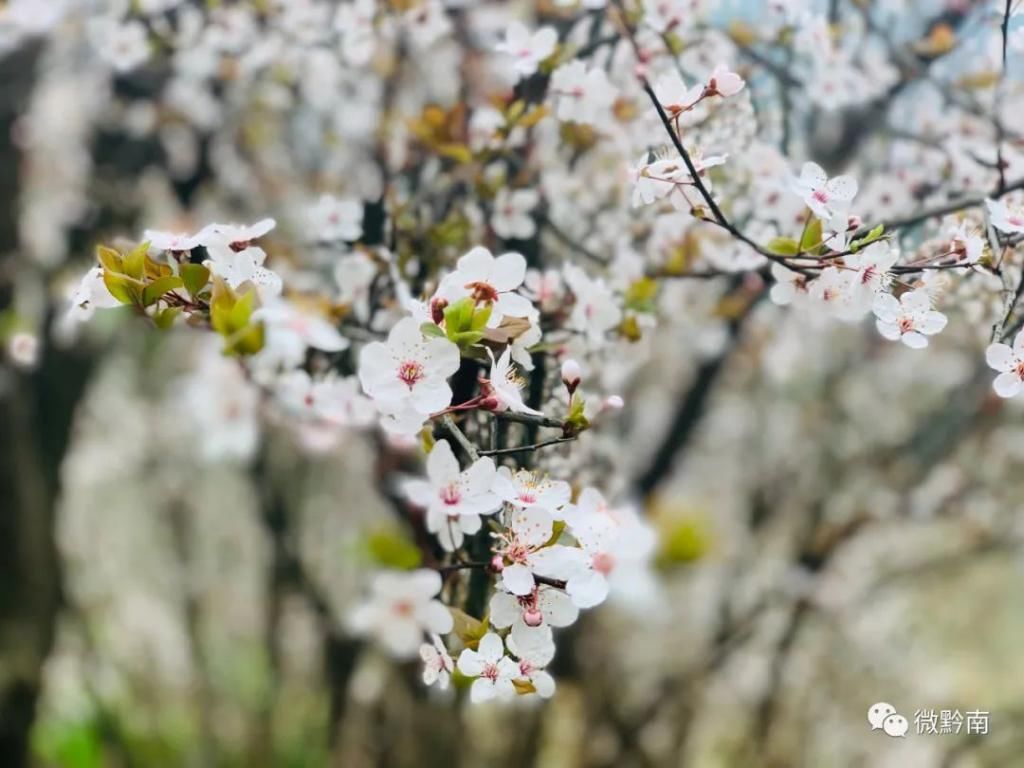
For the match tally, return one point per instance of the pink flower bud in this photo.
(853, 223)
(533, 617)
(437, 307)
(497, 564)
(571, 375)
(612, 403)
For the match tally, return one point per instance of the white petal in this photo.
(442, 466)
(915, 340)
(886, 307)
(470, 663)
(491, 647)
(504, 610)
(843, 188)
(931, 323)
(1007, 385)
(518, 579)
(588, 590)
(999, 357)
(508, 271)
(891, 331)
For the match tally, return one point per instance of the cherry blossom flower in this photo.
(489, 280)
(524, 488)
(610, 540)
(535, 650)
(911, 319)
(354, 273)
(90, 294)
(789, 285)
(333, 219)
(290, 331)
(968, 246)
(581, 95)
(511, 217)
(528, 49)
(437, 664)
(400, 609)
(504, 385)
(1004, 218)
(123, 45)
(544, 605)
(545, 289)
(354, 22)
(236, 237)
(519, 546)
(868, 273)
(337, 401)
(23, 350)
(821, 194)
(244, 266)
(234, 257)
(173, 242)
(1009, 361)
(493, 670)
(836, 289)
(454, 499)
(724, 82)
(408, 375)
(655, 179)
(595, 310)
(674, 95)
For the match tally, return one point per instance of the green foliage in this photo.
(810, 242)
(388, 548)
(641, 295)
(870, 237)
(136, 280)
(195, 277)
(783, 246)
(231, 317)
(464, 322)
(683, 541)
(469, 630)
(576, 421)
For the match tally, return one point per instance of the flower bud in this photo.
(437, 307)
(497, 564)
(612, 403)
(853, 222)
(571, 375)
(532, 617)
(23, 350)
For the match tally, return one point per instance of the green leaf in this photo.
(134, 263)
(242, 311)
(466, 338)
(783, 246)
(246, 341)
(431, 329)
(812, 236)
(155, 290)
(122, 288)
(108, 258)
(164, 319)
(576, 421)
(557, 528)
(195, 277)
(479, 319)
(870, 237)
(392, 550)
(469, 630)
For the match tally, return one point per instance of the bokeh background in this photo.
(840, 521)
